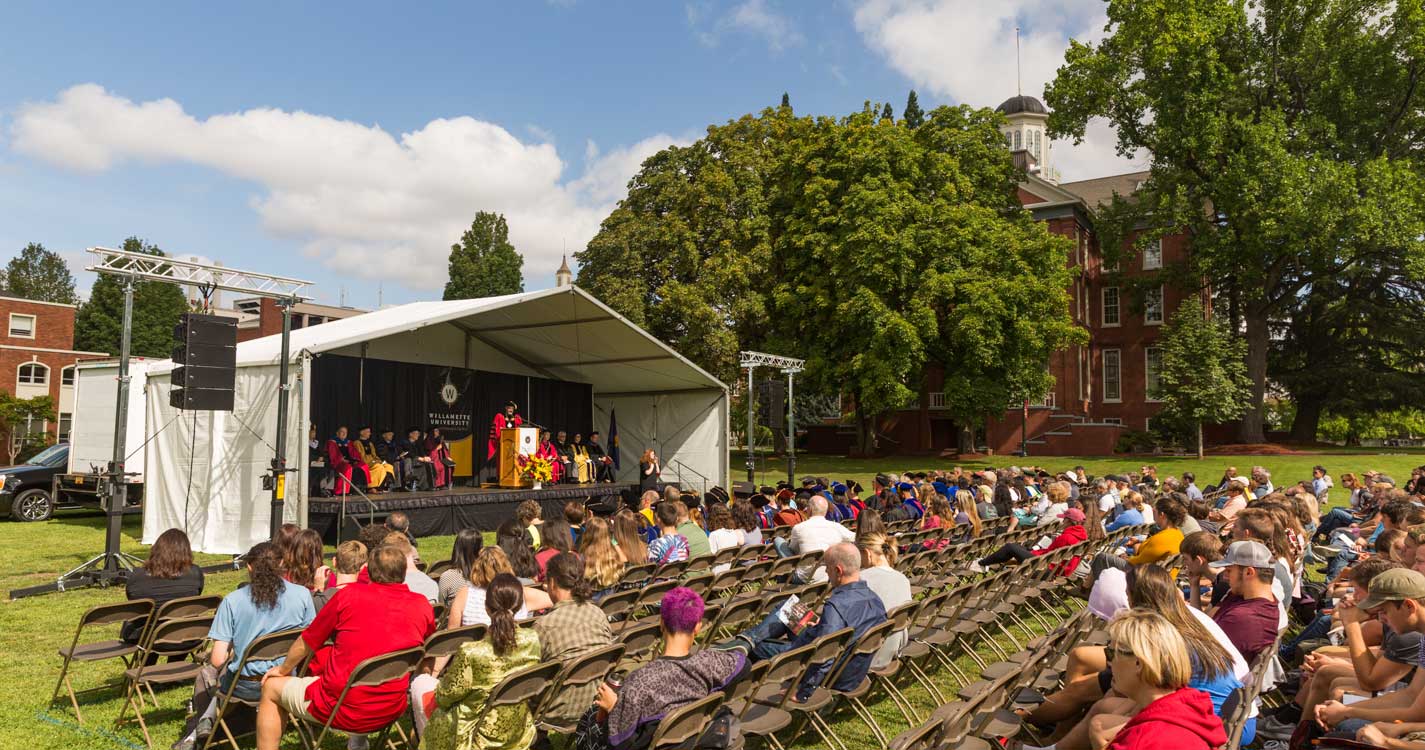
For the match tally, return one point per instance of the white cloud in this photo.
(755, 17)
(364, 201)
(964, 49)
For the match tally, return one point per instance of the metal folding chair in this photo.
(102, 650)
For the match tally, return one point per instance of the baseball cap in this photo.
(1394, 585)
(1248, 554)
(1073, 515)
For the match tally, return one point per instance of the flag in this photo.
(613, 437)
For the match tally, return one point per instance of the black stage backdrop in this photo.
(382, 393)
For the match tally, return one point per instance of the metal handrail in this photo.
(370, 507)
(679, 465)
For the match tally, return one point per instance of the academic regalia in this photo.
(498, 425)
(564, 453)
(603, 470)
(547, 451)
(415, 473)
(439, 453)
(376, 469)
(583, 466)
(340, 460)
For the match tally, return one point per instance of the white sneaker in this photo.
(975, 567)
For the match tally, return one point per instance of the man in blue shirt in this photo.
(851, 604)
(1191, 487)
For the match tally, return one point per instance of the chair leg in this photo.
(138, 714)
(827, 734)
(924, 679)
(864, 714)
(73, 699)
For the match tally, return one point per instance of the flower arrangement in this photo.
(535, 468)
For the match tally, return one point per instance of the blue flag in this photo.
(613, 437)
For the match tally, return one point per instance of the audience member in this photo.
(364, 621)
(468, 606)
(452, 703)
(878, 559)
(302, 560)
(698, 545)
(631, 545)
(416, 580)
(574, 627)
(815, 534)
(575, 514)
(167, 574)
(468, 543)
(670, 546)
(513, 538)
(745, 518)
(400, 523)
(530, 517)
(1071, 534)
(603, 563)
(554, 539)
(1249, 614)
(347, 564)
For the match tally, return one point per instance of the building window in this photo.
(1152, 372)
(66, 375)
(1034, 137)
(1153, 306)
(66, 422)
(1112, 375)
(1018, 144)
(22, 326)
(1112, 420)
(1153, 255)
(33, 373)
(1110, 306)
(26, 433)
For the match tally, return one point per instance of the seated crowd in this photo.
(1196, 586)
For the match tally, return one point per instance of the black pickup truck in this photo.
(28, 491)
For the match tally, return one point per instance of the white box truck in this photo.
(91, 437)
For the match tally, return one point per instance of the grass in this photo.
(32, 629)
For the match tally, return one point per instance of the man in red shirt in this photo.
(366, 620)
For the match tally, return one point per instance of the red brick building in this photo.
(260, 316)
(1100, 388)
(37, 358)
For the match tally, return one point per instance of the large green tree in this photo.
(40, 274)
(913, 115)
(899, 248)
(1285, 141)
(98, 326)
(484, 263)
(1202, 374)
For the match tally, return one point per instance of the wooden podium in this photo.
(515, 442)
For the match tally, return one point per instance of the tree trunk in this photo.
(1308, 419)
(1199, 440)
(1251, 427)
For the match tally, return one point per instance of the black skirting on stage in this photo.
(443, 512)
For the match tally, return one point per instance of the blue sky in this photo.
(349, 145)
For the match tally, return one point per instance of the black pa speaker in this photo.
(206, 350)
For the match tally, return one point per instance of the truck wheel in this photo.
(33, 505)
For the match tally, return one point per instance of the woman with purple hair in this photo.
(627, 716)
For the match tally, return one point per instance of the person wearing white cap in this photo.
(1249, 614)
(1236, 501)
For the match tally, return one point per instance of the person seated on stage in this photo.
(376, 468)
(439, 452)
(388, 451)
(268, 604)
(417, 468)
(627, 718)
(670, 546)
(851, 604)
(445, 709)
(167, 574)
(603, 463)
(342, 460)
(564, 453)
(583, 464)
(547, 451)
(364, 621)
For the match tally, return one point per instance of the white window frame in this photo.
(34, 323)
(20, 378)
(25, 431)
(68, 371)
(1148, 318)
(1117, 381)
(1147, 373)
(1153, 255)
(1113, 420)
(61, 434)
(1018, 140)
(1117, 307)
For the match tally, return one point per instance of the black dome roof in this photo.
(1016, 104)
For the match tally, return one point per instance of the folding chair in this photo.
(577, 672)
(372, 672)
(767, 718)
(637, 575)
(103, 615)
(735, 614)
(639, 640)
(528, 689)
(264, 648)
(438, 567)
(725, 583)
(620, 603)
(673, 570)
(652, 595)
(685, 723)
(726, 556)
(884, 676)
(700, 583)
(444, 643)
(867, 645)
(827, 648)
(173, 637)
(698, 564)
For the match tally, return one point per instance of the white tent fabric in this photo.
(661, 400)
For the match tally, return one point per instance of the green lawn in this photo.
(32, 629)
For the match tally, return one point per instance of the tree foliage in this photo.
(870, 249)
(98, 326)
(913, 116)
(484, 263)
(15, 412)
(40, 274)
(1203, 372)
(1299, 124)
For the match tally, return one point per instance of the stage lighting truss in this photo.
(758, 359)
(201, 275)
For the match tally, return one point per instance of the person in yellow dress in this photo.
(583, 465)
(454, 703)
(375, 467)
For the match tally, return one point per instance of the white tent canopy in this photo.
(204, 469)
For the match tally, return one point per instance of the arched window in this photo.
(1036, 135)
(66, 375)
(1018, 144)
(33, 373)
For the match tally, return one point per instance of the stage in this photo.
(442, 512)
